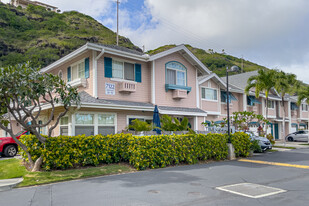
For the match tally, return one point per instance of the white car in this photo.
(301, 135)
(263, 141)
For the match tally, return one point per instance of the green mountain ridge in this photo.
(42, 37)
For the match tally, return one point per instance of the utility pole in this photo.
(242, 63)
(117, 20)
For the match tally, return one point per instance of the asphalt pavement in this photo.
(182, 185)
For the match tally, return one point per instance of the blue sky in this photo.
(273, 33)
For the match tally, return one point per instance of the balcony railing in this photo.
(127, 87)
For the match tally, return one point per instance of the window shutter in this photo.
(87, 68)
(69, 74)
(108, 67)
(138, 73)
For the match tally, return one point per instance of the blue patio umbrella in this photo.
(156, 120)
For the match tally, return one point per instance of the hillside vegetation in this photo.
(216, 62)
(40, 36)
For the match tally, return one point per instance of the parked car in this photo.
(263, 141)
(8, 146)
(301, 135)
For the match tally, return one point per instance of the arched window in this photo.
(60, 74)
(175, 73)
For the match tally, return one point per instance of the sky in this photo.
(272, 33)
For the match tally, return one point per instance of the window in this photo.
(106, 124)
(271, 104)
(294, 106)
(84, 124)
(252, 101)
(64, 126)
(87, 124)
(176, 74)
(209, 94)
(304, 107)
(42, 130)
(78, 70)
(60, 75)
(123, 70)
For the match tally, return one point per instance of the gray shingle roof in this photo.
(123, 49)
(87, 98)
(240, 80)
(181, 109)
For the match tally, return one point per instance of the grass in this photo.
(284, 147)
(272, 150)
(304, 144)
(13, 168)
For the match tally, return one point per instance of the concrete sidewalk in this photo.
(297, 145)
(8, 184)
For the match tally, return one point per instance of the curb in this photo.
(8, 184)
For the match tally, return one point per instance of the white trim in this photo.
(78, 82)
(213, 75)
(187, 51)
(153, 84)
(122, 80)
(95, 71)
(213, 113)
(195, 123)
(138, 117)
(244, 102)
(197, 90)
(120, 107)
(182, 113)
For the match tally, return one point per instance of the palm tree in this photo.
(264, 81)
(303, 95)
(285, 84)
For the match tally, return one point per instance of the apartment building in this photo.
(118, 85)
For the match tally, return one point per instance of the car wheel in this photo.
(10, 151)
(290, 139)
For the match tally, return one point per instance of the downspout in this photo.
(95, 72)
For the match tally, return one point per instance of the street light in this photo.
(232, 69)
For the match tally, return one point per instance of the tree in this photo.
(303, 95)
(24, 92)
(285, 84)
(263, 82)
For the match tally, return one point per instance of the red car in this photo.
(8, 146)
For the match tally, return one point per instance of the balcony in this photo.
(78, 82)
(127, 87)
(180, 94)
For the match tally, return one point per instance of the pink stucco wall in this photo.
(164, 98)
(143, 89)
(208, 105)
(63, 68)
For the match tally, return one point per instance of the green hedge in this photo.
(140, 151)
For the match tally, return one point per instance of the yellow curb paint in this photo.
(275, 163)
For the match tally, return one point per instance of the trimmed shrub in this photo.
(242, 144)
(140, 151)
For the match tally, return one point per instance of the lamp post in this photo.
(232, 69)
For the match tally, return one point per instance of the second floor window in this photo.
(271, 104)
(304, 107)
(294, 106)
(78, 70)
(176, 74)
(209, 94)
(123, 70)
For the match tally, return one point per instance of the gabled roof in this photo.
(240, 80)
(212, 76)
(186, 53)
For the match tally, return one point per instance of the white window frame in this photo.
(95, 120)
(123, 61)
(77, 68)
(272, 102)
(178, 70)
(210, 100)
(64, 125)
(304, 107)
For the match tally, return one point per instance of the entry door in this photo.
(276, 131)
